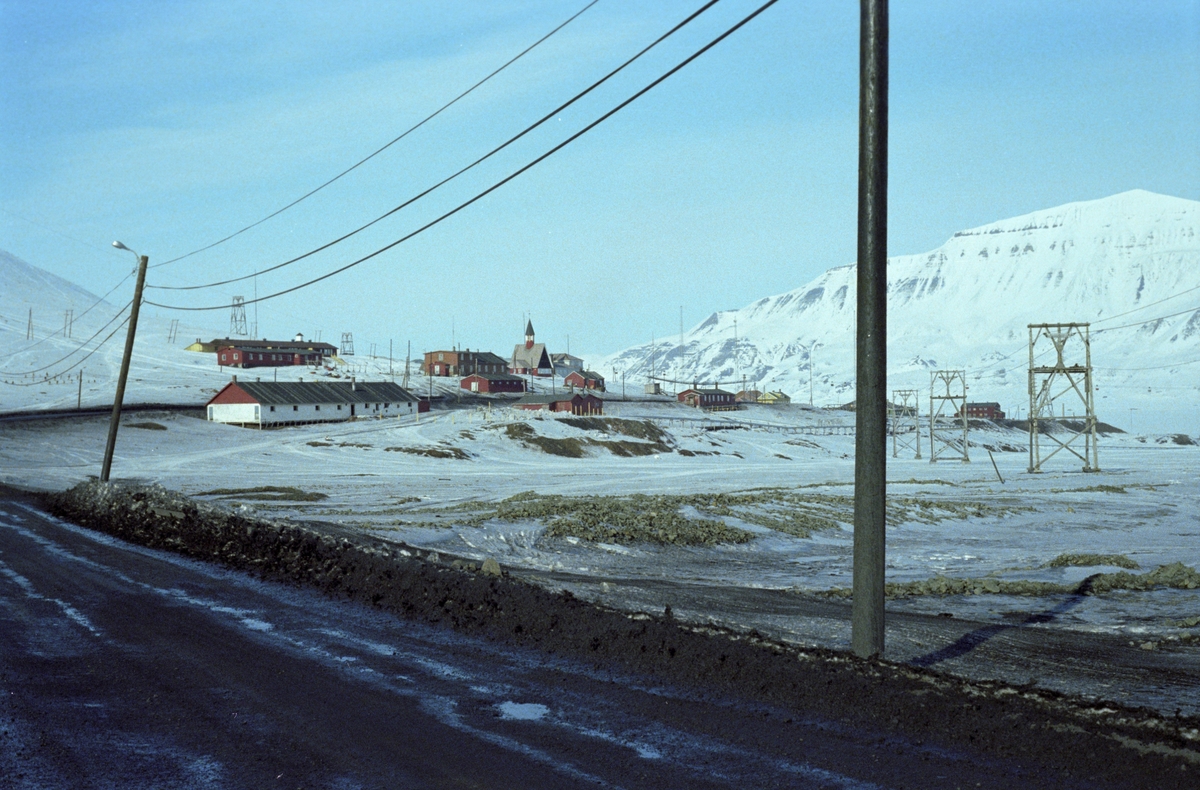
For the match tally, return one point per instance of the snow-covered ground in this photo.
(415, 480)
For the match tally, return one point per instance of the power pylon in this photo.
(1071, 380)
(237, 318)
(68, 323)
(174, 330)
(347, 347)
(948, 415)
(904, 414)
(29, 329)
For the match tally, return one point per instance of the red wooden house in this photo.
(572, 403)
(983, 411)
(492, 383)
(584, 380)
(711, 399)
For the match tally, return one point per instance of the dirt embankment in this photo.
(1056, 736)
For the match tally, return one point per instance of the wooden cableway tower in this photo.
(1059, 383)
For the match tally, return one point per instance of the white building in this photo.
(261, 404)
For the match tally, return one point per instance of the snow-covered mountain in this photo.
(1126, 259)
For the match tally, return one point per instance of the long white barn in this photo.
(262, 404)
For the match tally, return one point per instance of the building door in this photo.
(352, 411)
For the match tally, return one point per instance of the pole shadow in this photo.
(969, 641)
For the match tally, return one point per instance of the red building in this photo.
(478, 382)
(573, 403)
(584, 380)
(462, 363)
(983, 411)
(239, 353)
(711, 399)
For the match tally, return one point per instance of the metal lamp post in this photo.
(115, 422)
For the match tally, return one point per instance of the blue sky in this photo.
(171, 125)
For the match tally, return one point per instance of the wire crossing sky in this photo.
(169, 125)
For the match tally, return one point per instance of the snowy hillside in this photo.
(1122, 260)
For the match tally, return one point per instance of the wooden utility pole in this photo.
(120, 396)
(870, 439)
(79, 400)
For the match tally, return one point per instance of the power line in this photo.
(78, 362)
(1143, 307)
(504, 180)
(1156, 367)
(1148, 321)
(366, 159)
(446, 180)
(81, 315)
(73, 351)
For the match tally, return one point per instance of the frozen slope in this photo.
(966, 305)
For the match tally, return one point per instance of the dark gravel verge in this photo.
(1060, 739)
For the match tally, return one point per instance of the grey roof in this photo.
(278, 345)
(495, 377)
(489, 358)
(703, 391)
(530, 357)
(589, 374)
(297, 392)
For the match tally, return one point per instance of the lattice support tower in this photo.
(904, 417)
(173, 332)
(1060, 383)
(68, 323)
(347, 347)
(237, 318)
(948, 416)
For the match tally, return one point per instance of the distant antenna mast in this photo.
(29, 331)
(237, 318)
(347, 349)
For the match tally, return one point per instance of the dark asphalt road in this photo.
(127, 667)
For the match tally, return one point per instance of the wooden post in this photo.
(115, 422)
(870, 441)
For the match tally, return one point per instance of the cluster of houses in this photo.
(267, 404)
(483, 371)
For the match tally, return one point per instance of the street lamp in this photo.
(135, 307)
(815, 343)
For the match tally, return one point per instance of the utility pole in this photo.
(870, 416)
(391, 370)
(29, 330)
(79, 400)
(124, 375)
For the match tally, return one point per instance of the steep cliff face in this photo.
(1126, 259)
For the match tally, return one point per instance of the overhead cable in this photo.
(1147, 321)
(446, 180)
(499, 183)
(1143, 307)
(371, 156)
(78, 362)
(73, 319)
(73, 351)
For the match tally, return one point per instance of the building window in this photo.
(386, 405)
(272, 408)
(295, 408)
(223, 357)
(441, 357)
(339, 407)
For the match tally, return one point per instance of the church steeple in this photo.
(529, 334)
